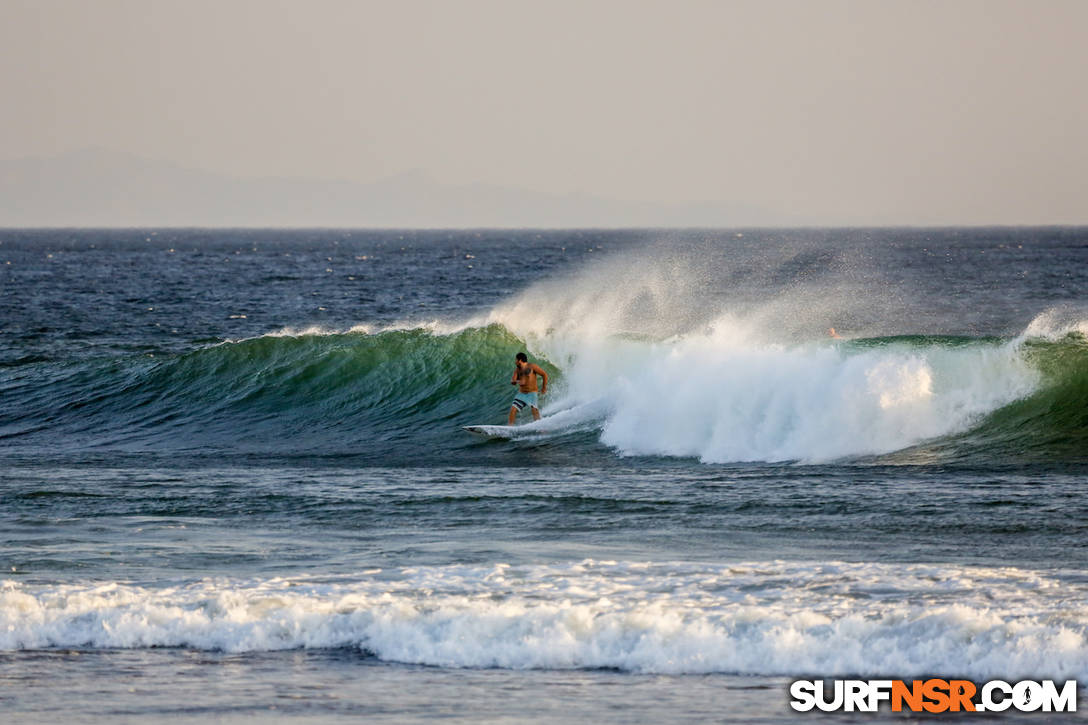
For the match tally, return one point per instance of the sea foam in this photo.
(756, 617)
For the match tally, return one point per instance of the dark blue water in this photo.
(233, 469)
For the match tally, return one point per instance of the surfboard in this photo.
(491, 431)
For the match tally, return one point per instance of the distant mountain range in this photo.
(107, 188)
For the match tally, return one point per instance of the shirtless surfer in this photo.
(524, 377)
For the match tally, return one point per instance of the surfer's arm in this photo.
(514, 377)
(540, 371)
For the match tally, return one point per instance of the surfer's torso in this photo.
(526, 379)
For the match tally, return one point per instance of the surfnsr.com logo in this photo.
(933, 696)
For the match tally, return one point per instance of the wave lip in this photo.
(753, 618)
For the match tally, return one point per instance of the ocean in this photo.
(235, 486)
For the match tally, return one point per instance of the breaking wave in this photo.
(753, 618)
(715, 395)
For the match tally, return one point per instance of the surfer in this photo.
(524, 377)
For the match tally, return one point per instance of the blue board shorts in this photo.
(523, 399)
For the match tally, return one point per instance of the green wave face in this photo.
(339, 392)
(1050, 424)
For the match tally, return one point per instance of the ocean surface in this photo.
(235, 486)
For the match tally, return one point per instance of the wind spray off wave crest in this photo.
(683, 365)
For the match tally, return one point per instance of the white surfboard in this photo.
(571, 420)
(491, 431)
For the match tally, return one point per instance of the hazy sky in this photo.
(832, 111)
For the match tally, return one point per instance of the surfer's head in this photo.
(521, 357)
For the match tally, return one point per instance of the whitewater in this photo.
(832, 618)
